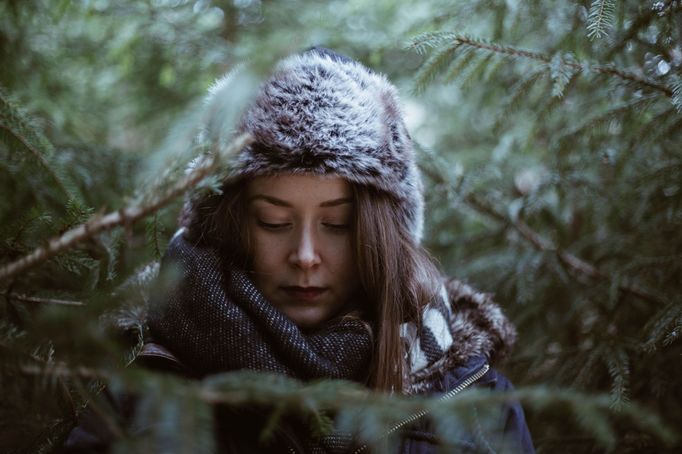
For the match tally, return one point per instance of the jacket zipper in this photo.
(461, 387)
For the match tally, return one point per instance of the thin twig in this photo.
(35, 299)
(580, 67)
(123, 217)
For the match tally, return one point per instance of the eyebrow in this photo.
(283, 203)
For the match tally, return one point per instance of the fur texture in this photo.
(476, 326)
(325, 114)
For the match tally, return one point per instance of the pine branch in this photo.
(588, 360)
(618, 365)
(600, 18)
(237, 388)
(663, 326)
(355, 405)
(474, 70)
(578, 67)
(35, 299)
(18, 126)
(429, 40)
(458, 63)
(125, 216)
(62, 370)
(576, 264)
(517, 93)
(436, 63)
(592, 122)
(153, 235)
(674, 333)
(561, 75)
(677, 93)
(573, 262)
(502, 49)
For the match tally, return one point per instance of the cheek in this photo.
(343, 260)
(266, 253)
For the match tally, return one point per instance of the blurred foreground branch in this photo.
(35, 299)
(354, 405)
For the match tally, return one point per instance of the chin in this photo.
(307, 323)
(307, 320)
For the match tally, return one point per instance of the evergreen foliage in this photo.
(601, 17)
(549, 133)
(583, 186)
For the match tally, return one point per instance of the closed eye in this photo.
(275, 227)
(339, 227)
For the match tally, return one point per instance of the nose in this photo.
(305, 252)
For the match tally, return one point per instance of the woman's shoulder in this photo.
(460, 333)
(480, 317)
(484, 337)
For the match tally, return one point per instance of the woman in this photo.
(308, 264)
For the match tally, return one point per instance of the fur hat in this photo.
(323, 113)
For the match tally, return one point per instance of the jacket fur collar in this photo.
(466, 325)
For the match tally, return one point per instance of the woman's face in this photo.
(300, 230)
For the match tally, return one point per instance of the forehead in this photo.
(300, 189)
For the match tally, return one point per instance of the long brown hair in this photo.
(219, 221)
(398, 277)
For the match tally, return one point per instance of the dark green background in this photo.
(532, 161)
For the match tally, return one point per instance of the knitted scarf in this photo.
(217, 321)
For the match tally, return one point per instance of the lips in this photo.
(307, 294)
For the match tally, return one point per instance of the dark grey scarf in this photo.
(215, 320)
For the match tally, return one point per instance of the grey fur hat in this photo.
(323, 113)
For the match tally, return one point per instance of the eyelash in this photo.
(274, 227)
(337, 227)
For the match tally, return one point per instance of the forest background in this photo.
(550, 139)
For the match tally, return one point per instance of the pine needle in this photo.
(618, 365)
(663, 325)
(433, 65)
(429, 40)
(126, 216)
(600, 19)
(561, 74)
(676, 87)
(18, 125)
